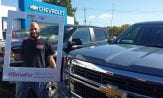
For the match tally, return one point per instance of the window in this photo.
(83, 34)
(130, 35)
(99, 34)
(50, 33)
(151, 35)
(143, 34)
(20, 34)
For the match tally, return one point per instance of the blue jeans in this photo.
(39, 89)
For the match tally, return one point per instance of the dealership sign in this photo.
(46, 10)
(42, 8)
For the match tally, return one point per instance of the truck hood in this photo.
(140, 59)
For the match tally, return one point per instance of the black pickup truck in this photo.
(130, 67)
(75, 37)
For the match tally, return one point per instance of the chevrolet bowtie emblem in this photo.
(33, 7)
(112, 92)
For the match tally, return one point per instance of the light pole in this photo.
(85, 20)
(112, 16)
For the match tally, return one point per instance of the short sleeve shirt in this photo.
(36, 52)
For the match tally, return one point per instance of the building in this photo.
(35, 6)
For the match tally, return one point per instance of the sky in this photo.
(117, 12)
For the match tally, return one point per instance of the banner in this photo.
(26, 73)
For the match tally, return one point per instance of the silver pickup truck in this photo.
(130, 67)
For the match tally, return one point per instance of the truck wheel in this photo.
(52, 90)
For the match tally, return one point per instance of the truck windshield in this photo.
(51, 32)
(143, 34)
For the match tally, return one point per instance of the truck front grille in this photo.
(87, 92)
(129, 84)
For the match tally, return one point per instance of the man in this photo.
(36, 52)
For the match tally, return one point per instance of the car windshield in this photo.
(147, 34)
(20, 34)
(51, 32)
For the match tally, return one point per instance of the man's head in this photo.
(34, 30)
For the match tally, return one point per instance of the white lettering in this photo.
(40, 9)
(61, 12)
(50, 11)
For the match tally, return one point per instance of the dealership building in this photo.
(34, 6)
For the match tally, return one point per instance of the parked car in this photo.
(20, 34)
(17, 34)
(75, 37)
(130, 67)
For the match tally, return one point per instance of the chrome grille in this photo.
(123, 82)
(87, 92)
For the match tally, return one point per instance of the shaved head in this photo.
(34, 25)
(34, 30)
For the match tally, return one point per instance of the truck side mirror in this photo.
(76, 43)
(72, 45)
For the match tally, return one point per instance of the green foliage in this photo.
(115, 30)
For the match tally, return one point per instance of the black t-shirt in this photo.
(36, 52)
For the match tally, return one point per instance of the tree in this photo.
(115, 30)
(64, 3)
(124, 27)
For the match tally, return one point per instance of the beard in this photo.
(34, 35)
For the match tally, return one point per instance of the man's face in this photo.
(34, 30)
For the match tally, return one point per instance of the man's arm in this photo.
(51, 61)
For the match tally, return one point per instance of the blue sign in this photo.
(41, 7)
